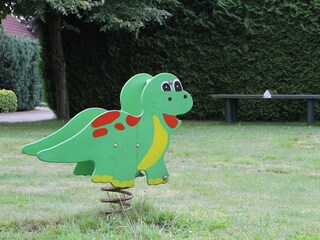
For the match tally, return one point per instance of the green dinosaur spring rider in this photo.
(119, 145)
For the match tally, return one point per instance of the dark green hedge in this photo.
(19, 69)
(225, 46)
(239, 47)
(97, 68)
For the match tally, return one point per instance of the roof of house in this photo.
(12, 26)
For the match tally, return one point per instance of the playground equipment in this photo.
(117, 146)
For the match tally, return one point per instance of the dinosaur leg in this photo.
(123, 179)
(102, 172)
(158, 173)
(125, 171)
(84, 168)
(117, 173)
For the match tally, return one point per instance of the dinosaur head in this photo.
(164, 94)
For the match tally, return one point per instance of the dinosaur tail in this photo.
(75, 125)
(69, 151)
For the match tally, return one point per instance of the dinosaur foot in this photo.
(114, 182)
(156, 181)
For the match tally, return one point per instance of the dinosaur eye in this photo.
(177, 86)
(166, 87)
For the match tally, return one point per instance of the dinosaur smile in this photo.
(171, 120)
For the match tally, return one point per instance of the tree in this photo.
(108, 14)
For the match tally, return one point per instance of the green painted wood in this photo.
(130, 96)
(69, 130)
(119, 145)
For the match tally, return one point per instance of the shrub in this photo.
(8, 101)
(227, 46)
(235, 46)
(19, 69)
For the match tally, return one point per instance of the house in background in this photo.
(12, 26)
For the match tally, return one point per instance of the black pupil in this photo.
(177, 86)
(166, 87)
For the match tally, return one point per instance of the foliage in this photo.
(108, 14)
(130, 15)
(19, 69)
(238, 46)
(97, 73)
(111, 14)
(118, 16)
(8, 101)
(36, 8)
(225, 46)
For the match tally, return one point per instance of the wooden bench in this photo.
(232, 103)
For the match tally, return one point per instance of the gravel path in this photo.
(40, 113)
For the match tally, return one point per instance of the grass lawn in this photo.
(246, 181)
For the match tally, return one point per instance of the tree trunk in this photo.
(58, 65)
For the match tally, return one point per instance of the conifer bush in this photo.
(8, 101)
(19, 69)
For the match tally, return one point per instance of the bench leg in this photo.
(231, 110)
(310, 111)
(235, 110)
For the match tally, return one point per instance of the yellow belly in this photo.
(158, 146)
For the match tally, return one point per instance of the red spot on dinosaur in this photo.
(119, 126)
(105, 118)
(172, 121)
(100, 132)
(132, 120)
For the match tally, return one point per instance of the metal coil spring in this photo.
(122, 203)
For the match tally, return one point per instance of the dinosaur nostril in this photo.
(185, 96)
(170, 98)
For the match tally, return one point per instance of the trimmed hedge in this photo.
(234, 46)
(227, 46)
(97, 67)
(8, 101)
(19, 69)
